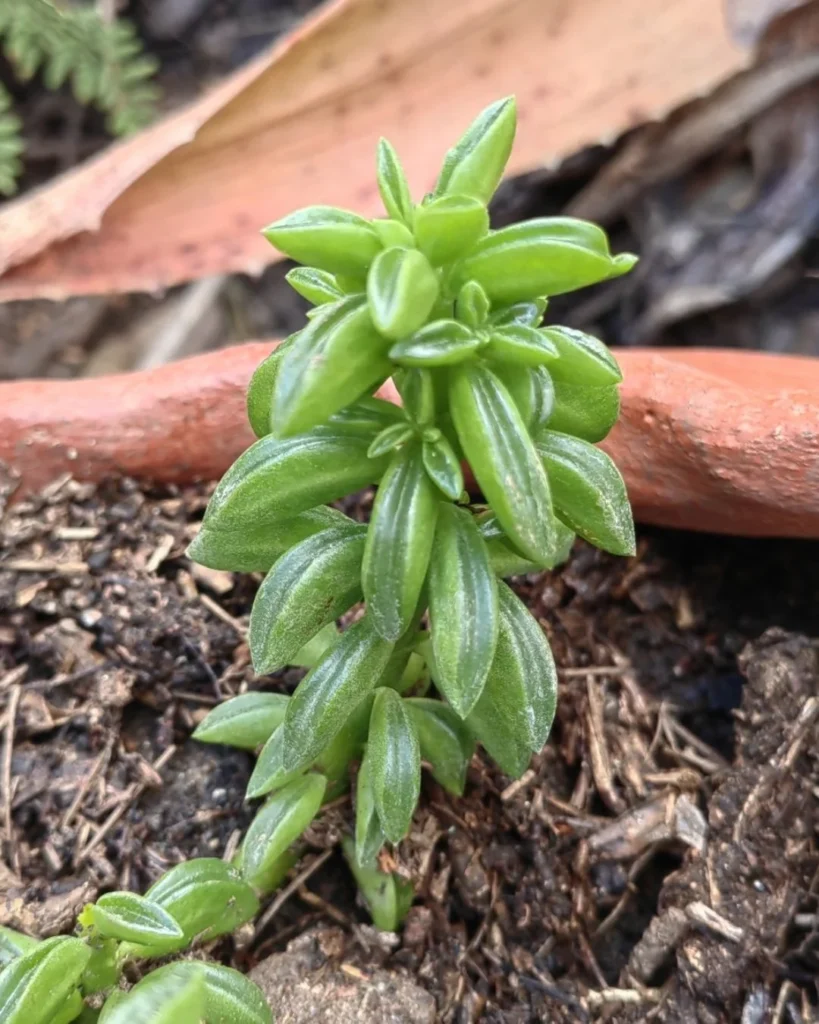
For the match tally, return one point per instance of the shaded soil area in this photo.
(657, 862)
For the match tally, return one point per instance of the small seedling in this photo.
(453, 312)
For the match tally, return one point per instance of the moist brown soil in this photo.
(657, 862)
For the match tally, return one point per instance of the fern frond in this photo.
(11, 145)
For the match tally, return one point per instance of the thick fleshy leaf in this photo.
(531, 388)
(584, 411)
(276, 478)
(583, 359)
(390, 438)
(392, 184)
(281, 820)
(399, 541)
(588, 491)
(472, 304)
(259, 399)
(317, 286)
(474, 166)
(394, 763)
(312, 584)
(175, 995)
(269, 772)
(514, 715)
(333, 361)
(463, 608)
(35, 985)
(418, 395)
(448, 227)
(544, 256)
(401, 290)
(70, 1010)
(442, 464)
(14, 944)
(246, 721)
(369, 835)
(445, 742)
(327, 238)
(132, 918)
(503, 458)
(102, 972)
(440, 343)
(365, 418)
(525, 314)
(505, 561)
(257, 547)
(230, 997)
(326, 698)
(523, 346)
(388, 896)
(393, 234)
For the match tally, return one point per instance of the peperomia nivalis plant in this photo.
(452, 311)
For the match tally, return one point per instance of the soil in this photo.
(658, 861)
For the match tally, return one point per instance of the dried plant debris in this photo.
(657, 861)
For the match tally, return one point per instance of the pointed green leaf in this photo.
(417, 389)
(583, 359)
(524, 314)
(474, 166)
(246, 721)
(174, 996)
(276, 478)
(440, 343)
(259, 399)
(269, 772)
(443, 466)
(399, 541)
(401, 290)
(333, 361)
(34, 986)
(472, 305)
(230, 997)
(505, 561)
(311, 585)
(394, 234)
(132, 918)
(544, 256)
(394, 762)
(503, 459)
(523, 346)
(256, 548)
(445, 742)
(392, 184)
(514, 715)
(463, 608)
(449, 226)
(588, 491)
(532, 391)
(279, 823)
(327, 238)
(365, 418)
(326, 698)
(583, 411)
(390, 438)
(317, 286)
(70, 1010)
(14, 944)
(388, 896)
(369, 835)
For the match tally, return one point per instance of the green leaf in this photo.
(260, 390)
(365, 418)
(505, 561)
(394, 233)
(206, 897)
(369, 835)
(392, 184)
(588, 491)
(14, 944)
(531, 389)
(582, 358)
(401, 290)
(269, 772)
(311, 585)
(503, 459)
(34, 986)
(317, 286)
(449, 226)
(102, 972)
(463, 609)
(442, 465)
(326, 698)
(394, 763)
(69, 1011)
(446, 744)
(333, 361)
(523, 346)
(256, 547)
(173, 996)
(230, 997)
(282, 819)
(472, 305)
(246, 721)
(514, 715)
(316, 647)
(474, 166)
(279, 477)
(399, 541)
(440, 343)
(132, 918)
(390, 438)
(524, 314)
(325, 237)
(544, 256)
(388, 896)
(583, 411)
(417, 390)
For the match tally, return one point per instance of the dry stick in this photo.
(8, 749)
(86, 785)
(288, 891)
(220, 613)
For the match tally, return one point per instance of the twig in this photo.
(8, 750)
(85, 786)
(702, 915)
(220, 613)
(288, 891)
(598, 751)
